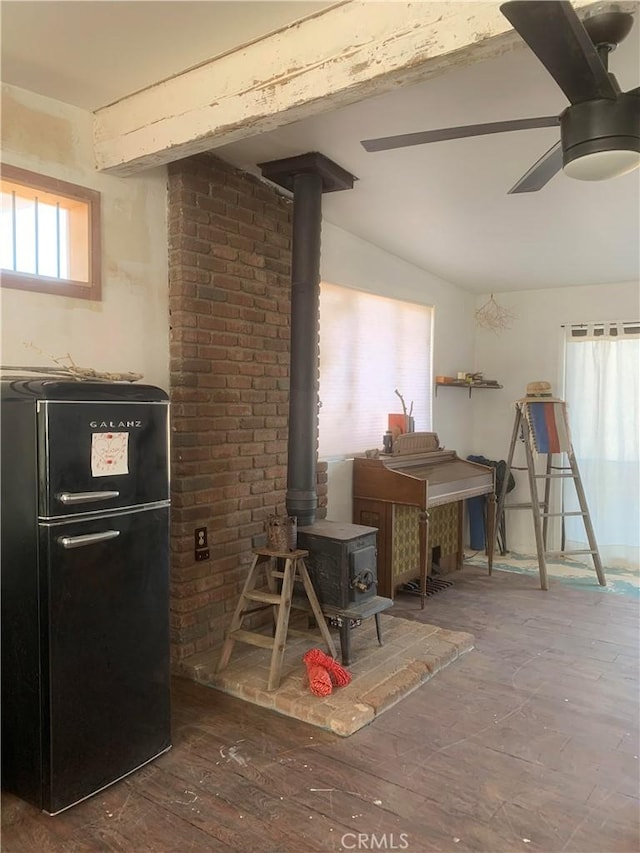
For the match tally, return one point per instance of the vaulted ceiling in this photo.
(444, 206)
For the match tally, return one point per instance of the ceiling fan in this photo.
(600, 129)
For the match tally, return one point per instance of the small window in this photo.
(49, 235)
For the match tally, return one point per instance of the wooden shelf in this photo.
(470, 385)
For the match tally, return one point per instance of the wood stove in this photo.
(342, 564)
(342, 558)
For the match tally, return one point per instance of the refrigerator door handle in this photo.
(89, 539)
(68, 498)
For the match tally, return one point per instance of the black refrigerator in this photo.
(85, 585)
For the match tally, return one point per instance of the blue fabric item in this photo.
(477, 514)
(475, 511)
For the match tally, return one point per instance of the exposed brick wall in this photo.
(229, 298)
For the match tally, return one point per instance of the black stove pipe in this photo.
(302, 493)
(307, 177)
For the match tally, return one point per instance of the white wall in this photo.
(349, 261)
(129, 329)
(532, 349)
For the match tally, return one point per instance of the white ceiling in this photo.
(90, 53)
(443, 206)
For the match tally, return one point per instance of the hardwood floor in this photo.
(529, 742)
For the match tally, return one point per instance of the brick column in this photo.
(229, 298)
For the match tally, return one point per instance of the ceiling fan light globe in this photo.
(602, 165)
(601, 138)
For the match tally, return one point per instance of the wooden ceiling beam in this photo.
(338, 56)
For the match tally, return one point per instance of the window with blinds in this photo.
(49, 235)
(370, 346)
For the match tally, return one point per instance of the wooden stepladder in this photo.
(252, 600)
(543, 427)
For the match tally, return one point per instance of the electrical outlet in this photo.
(201, 544)
(200, 534)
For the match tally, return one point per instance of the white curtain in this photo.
(602, 384)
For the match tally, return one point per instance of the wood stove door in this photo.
(362, 571)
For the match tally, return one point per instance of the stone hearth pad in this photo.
(412, 653)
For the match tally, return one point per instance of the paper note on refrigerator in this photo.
(109, 453)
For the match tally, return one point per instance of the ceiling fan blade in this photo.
(541, 172)
(403, 140)
(555, 34)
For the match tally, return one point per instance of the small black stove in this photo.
(342, 564)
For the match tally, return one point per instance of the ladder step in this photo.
(555, 476)
(267, 597)
(560, 514)
(521, 506)
(252, 638)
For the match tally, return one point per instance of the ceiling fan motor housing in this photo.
(599, 125)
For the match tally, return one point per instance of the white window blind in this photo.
(369, 347)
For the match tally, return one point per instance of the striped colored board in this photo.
(549, 427)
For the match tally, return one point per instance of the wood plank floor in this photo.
(529, 742)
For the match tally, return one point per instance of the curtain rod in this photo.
(600, 323)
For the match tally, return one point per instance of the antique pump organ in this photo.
(414, 497)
